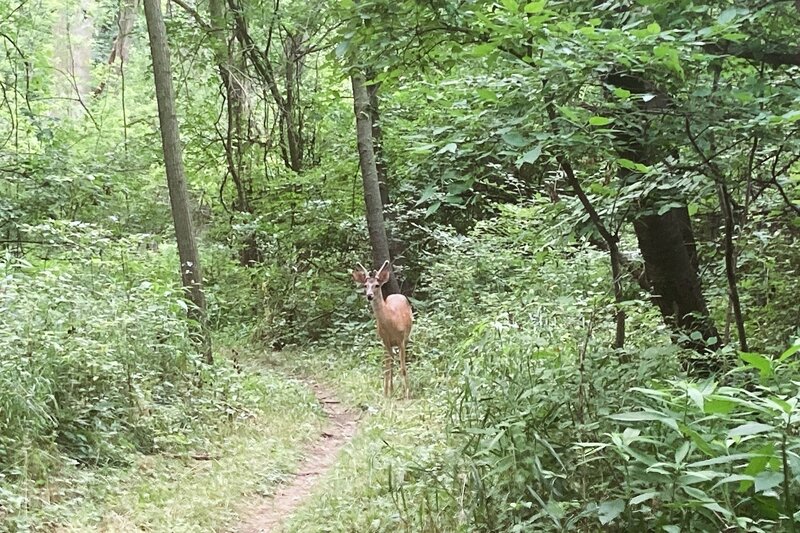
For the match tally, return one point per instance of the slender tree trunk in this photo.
(120, 46)
(74, 31)
(611, 240)
(396, 246)
(369, 174)
(191, 273)
(726, 205)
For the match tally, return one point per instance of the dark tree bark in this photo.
(667, 243)
(369, 174)
(377, 139)
(676, 286)
(191, 273)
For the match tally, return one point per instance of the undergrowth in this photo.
(525, 418)
(103, 396)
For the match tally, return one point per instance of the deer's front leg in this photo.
(387, 371)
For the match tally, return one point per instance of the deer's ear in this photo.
(359, 276)
(383, 275)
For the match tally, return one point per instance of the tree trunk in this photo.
(74, 31)
(676, 286)
(291, 134)
(667, 243)
(121, 44)
(127, 17)
(377, 140)
(191, 274)
(396, 246)
(369, 174)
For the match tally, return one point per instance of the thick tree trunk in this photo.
(191, 274)
(369, 174)
(667, 244)
(676, 286)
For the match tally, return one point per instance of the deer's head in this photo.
(372, 281)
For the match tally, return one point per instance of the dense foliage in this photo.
(593, 206)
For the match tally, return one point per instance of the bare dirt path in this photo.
(270, 514)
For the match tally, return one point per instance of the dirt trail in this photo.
(320, 455)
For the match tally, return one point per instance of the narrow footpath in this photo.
(270, 514)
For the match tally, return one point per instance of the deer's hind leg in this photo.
(402, 349)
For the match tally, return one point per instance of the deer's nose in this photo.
(370, 297)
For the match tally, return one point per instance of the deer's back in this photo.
(395, 324)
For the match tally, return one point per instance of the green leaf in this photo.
(483, 49)
(600, 121)
(717, 508)
(535, 7)
(791, 116)
(682, 452)
(727, 15)
(696, 396)
(341, 49)
(722, 460)
(621, 93)
(735, 478)
(790, 352)
(486, 94)
(530, 156)
(510, 5)
(631, 165)
(718, 406)
(695, 493)
(768, 480)
(751, 428)
(515, 139)
(609, 510)
(448, 148)
(432, 208)
(643, 497)
(758, 361)
(642, 416)
(427, 194)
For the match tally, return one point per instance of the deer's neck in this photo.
(378, 305)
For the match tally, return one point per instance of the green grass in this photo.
(379, 482)
(180, 493)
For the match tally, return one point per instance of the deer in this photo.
(394, 319)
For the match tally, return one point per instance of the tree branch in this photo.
(194, 14)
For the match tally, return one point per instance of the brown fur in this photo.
(394, 319)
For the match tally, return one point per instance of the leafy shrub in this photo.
(97, 362)
(706, 456)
